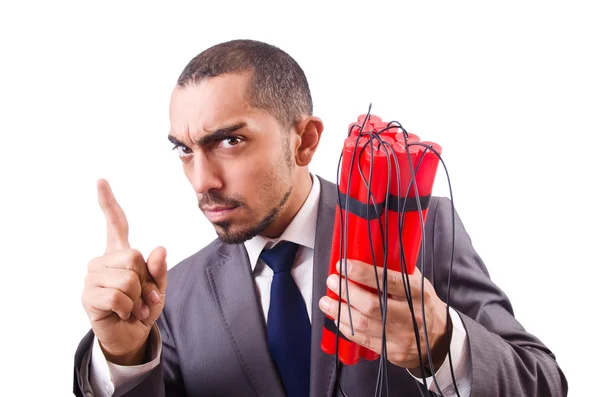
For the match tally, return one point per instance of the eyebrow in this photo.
(218, 135)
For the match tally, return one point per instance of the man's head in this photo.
(241, 119)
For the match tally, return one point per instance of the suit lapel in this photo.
(233, 287)
(322, 366)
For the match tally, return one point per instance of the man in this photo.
(242, 123)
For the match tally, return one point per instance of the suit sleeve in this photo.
(506, 360)
(163, 381)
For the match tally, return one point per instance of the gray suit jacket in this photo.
(214, 335)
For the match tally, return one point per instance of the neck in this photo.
(301, 188)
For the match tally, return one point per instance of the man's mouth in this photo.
(218, 213)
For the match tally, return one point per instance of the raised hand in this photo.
(123, 294)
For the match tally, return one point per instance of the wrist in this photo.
(440, 348)
(137, 356)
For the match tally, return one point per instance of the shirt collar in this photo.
(300, 231)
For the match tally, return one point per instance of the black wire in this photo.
(337, 334)
(381, 374)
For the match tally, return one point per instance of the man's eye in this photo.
(230, 142)
(182, 151)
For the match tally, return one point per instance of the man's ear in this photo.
(309, 131)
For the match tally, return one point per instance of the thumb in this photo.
(157, 267)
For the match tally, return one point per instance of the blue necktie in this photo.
(288, 326)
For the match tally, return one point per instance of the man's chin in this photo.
(229, 236)
(227, 232)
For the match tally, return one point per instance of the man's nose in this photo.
(204, 175)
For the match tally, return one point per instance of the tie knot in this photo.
(281, 257)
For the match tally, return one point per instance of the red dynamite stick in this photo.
(405, 248)
(428, 166)
(371, 122)
(392, 130)
(389, 186)
(350, 353)
(427, 163)
(376, 156)
(385, 129)
(358, 216)
(359, 227)
(411, 138)
(344, 231)
(354, 129)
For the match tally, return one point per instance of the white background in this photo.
(510, 90)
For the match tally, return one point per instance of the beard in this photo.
(223, 228)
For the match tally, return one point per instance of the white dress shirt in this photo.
(106, 379)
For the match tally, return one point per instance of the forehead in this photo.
(210, 104)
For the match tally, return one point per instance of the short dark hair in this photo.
(278, 84)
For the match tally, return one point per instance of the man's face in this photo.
(237, 158)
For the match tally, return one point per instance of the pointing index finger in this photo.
(117, 228)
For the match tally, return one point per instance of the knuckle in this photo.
(114, 299)
(393, 281)
(362, 323)
(132, 255)
(91, 265)
(127, 305)
(87, 281)
(359, 272)
(372, 308)
(428, 292)
(132, 259)
(114, 220)
(131, 280)
(84, 300)
(419, 320)
(397, 356)
(367, 341)
(340, 291)
(342, 328)
(136, 253)
(426, 295)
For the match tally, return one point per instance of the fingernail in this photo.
(332, 281)
(154, 298)
(144, 312)
(324, 303)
